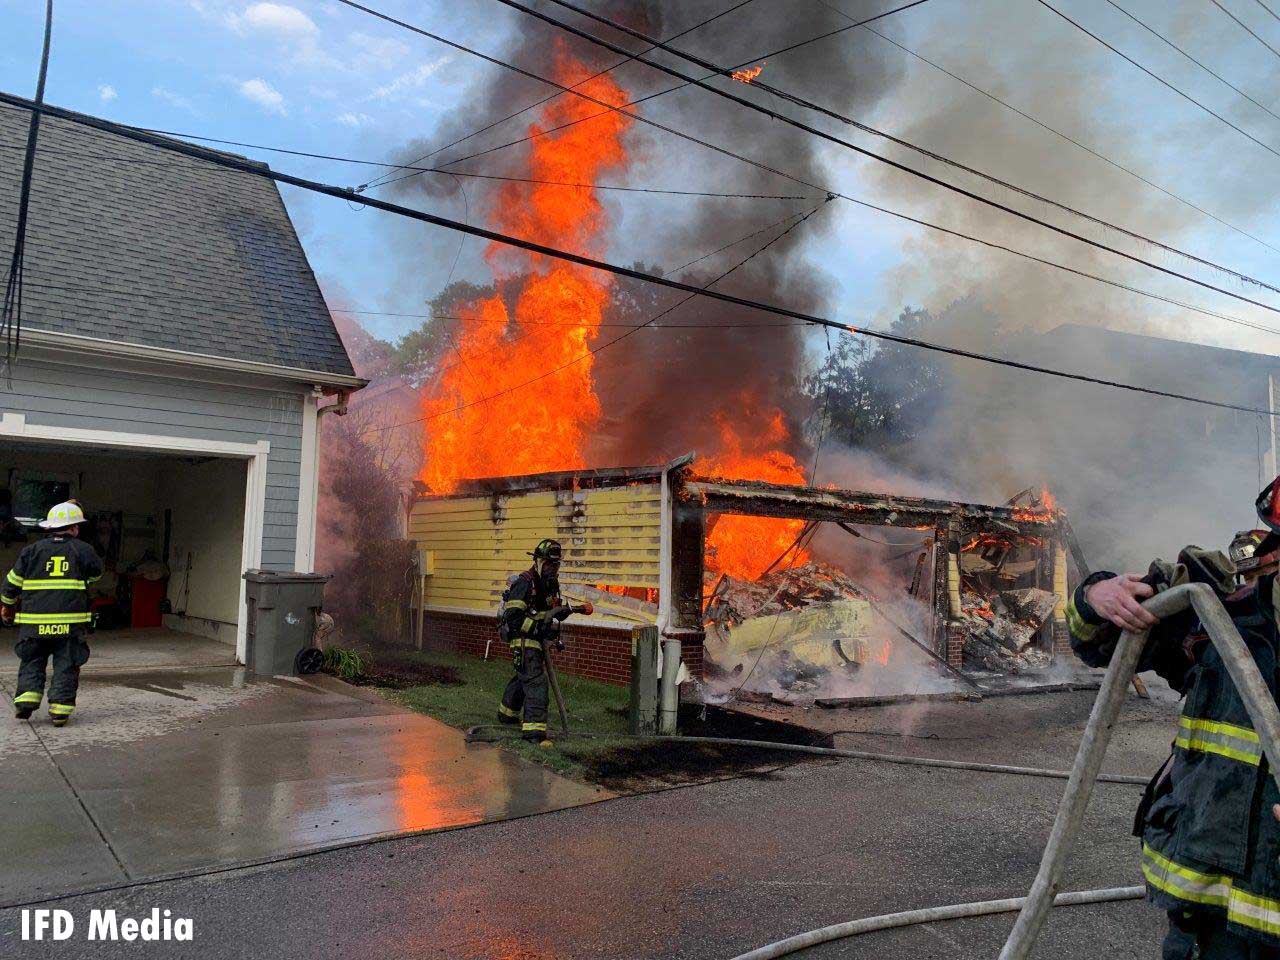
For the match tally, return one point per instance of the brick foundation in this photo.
(955, 646)
(598, 653)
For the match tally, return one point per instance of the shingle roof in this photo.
(127, 242)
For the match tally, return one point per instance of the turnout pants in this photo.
(69, 653)
(527, 690)
(1195, 935)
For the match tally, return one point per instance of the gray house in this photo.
(175, 353)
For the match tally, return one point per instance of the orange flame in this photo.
(545, 425)
(748, 74)
(744, 546)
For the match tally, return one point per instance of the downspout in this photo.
(669, 689)
(339, 408)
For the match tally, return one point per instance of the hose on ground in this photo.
(891, 921)
(848, 754)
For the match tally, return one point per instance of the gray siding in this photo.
(52, 394)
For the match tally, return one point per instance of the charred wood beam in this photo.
(806, 503)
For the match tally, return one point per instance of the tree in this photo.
(877, 393)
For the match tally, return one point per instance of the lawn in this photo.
(463, 691)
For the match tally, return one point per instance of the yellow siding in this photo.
(609, 536)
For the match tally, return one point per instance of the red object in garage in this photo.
(144, 611)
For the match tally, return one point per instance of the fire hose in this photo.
(1034, 908)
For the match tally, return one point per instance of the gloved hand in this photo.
(6, 614)
(562, 612)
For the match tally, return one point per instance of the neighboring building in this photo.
(175, 349)
(1141, 476)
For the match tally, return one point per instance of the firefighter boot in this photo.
(25, 704)
(60, 713)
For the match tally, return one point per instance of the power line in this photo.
(661, 93)
(1169, 43)
(1057, 133)
(1268, 9)
(451, 173)
(11, 311)
(863, 203)
(1245, 27)
(426, 156)
(340, 193)
(1159, 79)
(825, 111)
(609, 343)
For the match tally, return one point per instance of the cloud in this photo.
(354, 119)
(264, 95)
(408, 82)
(277, 18)
(378, 50)
(173, 99)
(106, 92)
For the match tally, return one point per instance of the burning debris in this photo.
(734, 600)
(1001, 631)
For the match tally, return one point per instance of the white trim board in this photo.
(15, 427)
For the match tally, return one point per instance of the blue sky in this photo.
(314, 75)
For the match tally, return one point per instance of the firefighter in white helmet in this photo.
(49, 587)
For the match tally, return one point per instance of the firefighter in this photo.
(49, 584)
(1209, 821)
(529, 606)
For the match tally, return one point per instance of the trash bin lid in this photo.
(291, 576)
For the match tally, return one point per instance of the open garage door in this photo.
(171, 530)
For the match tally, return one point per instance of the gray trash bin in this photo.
(281, 611)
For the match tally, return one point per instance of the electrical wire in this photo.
(1159, 79)
(450, 173)
(426, 156)
(11, 310)
(1169, 43)
(340, 193)
(871, 154)
(609, 343)
(1057, 133)
(1246, 28)
(1268, 9)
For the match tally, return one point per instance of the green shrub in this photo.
(343, 663)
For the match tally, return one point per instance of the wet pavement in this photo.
(710, 870)
(166, 770)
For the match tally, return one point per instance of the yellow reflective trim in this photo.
(533, 726)
(1218, 890)
(529, 624)
(1215, 726)
(507, 711)
(1208, 746)
(61, 709)
(1077, 625)
(53, 585)
(515, 605)
(52, 617)
(30, 696)
(14, 578)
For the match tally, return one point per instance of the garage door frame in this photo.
(16, 427)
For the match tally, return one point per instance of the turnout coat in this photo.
(1209, 839)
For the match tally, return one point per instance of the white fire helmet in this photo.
(66, 514)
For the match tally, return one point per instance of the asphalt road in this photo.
(705, 871)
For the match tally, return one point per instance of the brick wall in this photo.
(1062, 641)
(955, 646)
(598, 653)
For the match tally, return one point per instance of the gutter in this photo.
(76, 343)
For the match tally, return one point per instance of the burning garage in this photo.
(767, 588)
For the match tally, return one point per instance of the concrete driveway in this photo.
(179, 768)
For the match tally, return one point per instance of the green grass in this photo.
(592, 706)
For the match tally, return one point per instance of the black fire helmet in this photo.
(547, 550)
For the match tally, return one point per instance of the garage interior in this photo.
(169, 529)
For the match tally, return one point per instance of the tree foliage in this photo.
(878, 394)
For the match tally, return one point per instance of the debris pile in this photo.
(733, 600)
(1001, 630)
